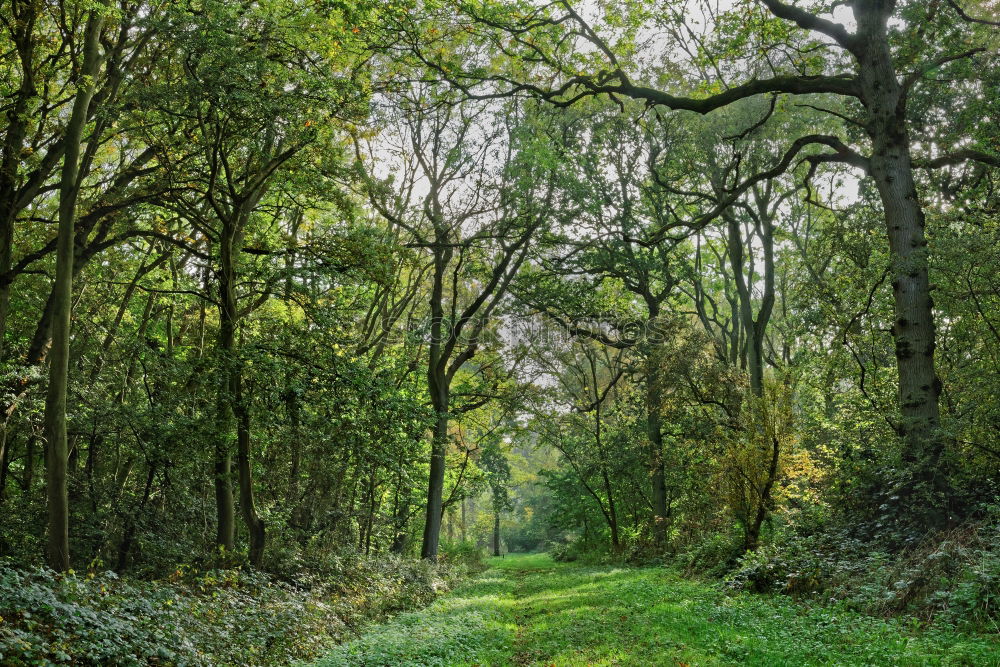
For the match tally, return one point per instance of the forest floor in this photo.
(529, 610)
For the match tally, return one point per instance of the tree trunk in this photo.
(654, 431)
(128, 533)
(400, 521)
(373, 510)
(612, 512)
(233, 402)
(462, 524)
(612, 515)
(90, 469)
(365, 521)
(755, 327)
(292, 411)
(913, 328)
(224, 507)
(496, 532)
(435, 484)
(754, 525)
(292, 406)
(438, 385)
(4, 462)
(30, 455)
(248, 507)
(55, 400)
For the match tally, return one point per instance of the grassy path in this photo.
(528, 610)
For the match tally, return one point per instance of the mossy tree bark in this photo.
(57, 450)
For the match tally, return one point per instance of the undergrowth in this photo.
(952, 577)
(215, 617)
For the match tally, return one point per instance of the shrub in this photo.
(464, 554)
(563, 552)
(954, 575)
(714, 555)
(217, 617)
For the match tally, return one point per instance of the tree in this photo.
(55, 401)
(487, 196)
(884, 67)
(494, 463)
(249, 114)
(587, 375)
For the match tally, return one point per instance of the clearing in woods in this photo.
(529, 610)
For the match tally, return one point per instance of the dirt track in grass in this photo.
(529, 610)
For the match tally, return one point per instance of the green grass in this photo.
(529, 610)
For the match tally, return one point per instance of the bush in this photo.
(714, 555)
(218, 617)
(954, 576)
(801, 564)
(757, 571)
(54, 619)
(463, 554)
(563, 552)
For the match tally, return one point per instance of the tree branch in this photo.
(916, 75)
(971, 19)
(958, 157)
(810, 21)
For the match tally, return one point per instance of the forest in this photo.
(310, 307)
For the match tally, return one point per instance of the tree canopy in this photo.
(282, 280)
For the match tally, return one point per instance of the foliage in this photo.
(713, 286)
(951, 576)
(217, 617)
(563, 552)
(463, 554)
(756, 454)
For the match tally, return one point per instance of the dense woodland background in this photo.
(289, 288)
